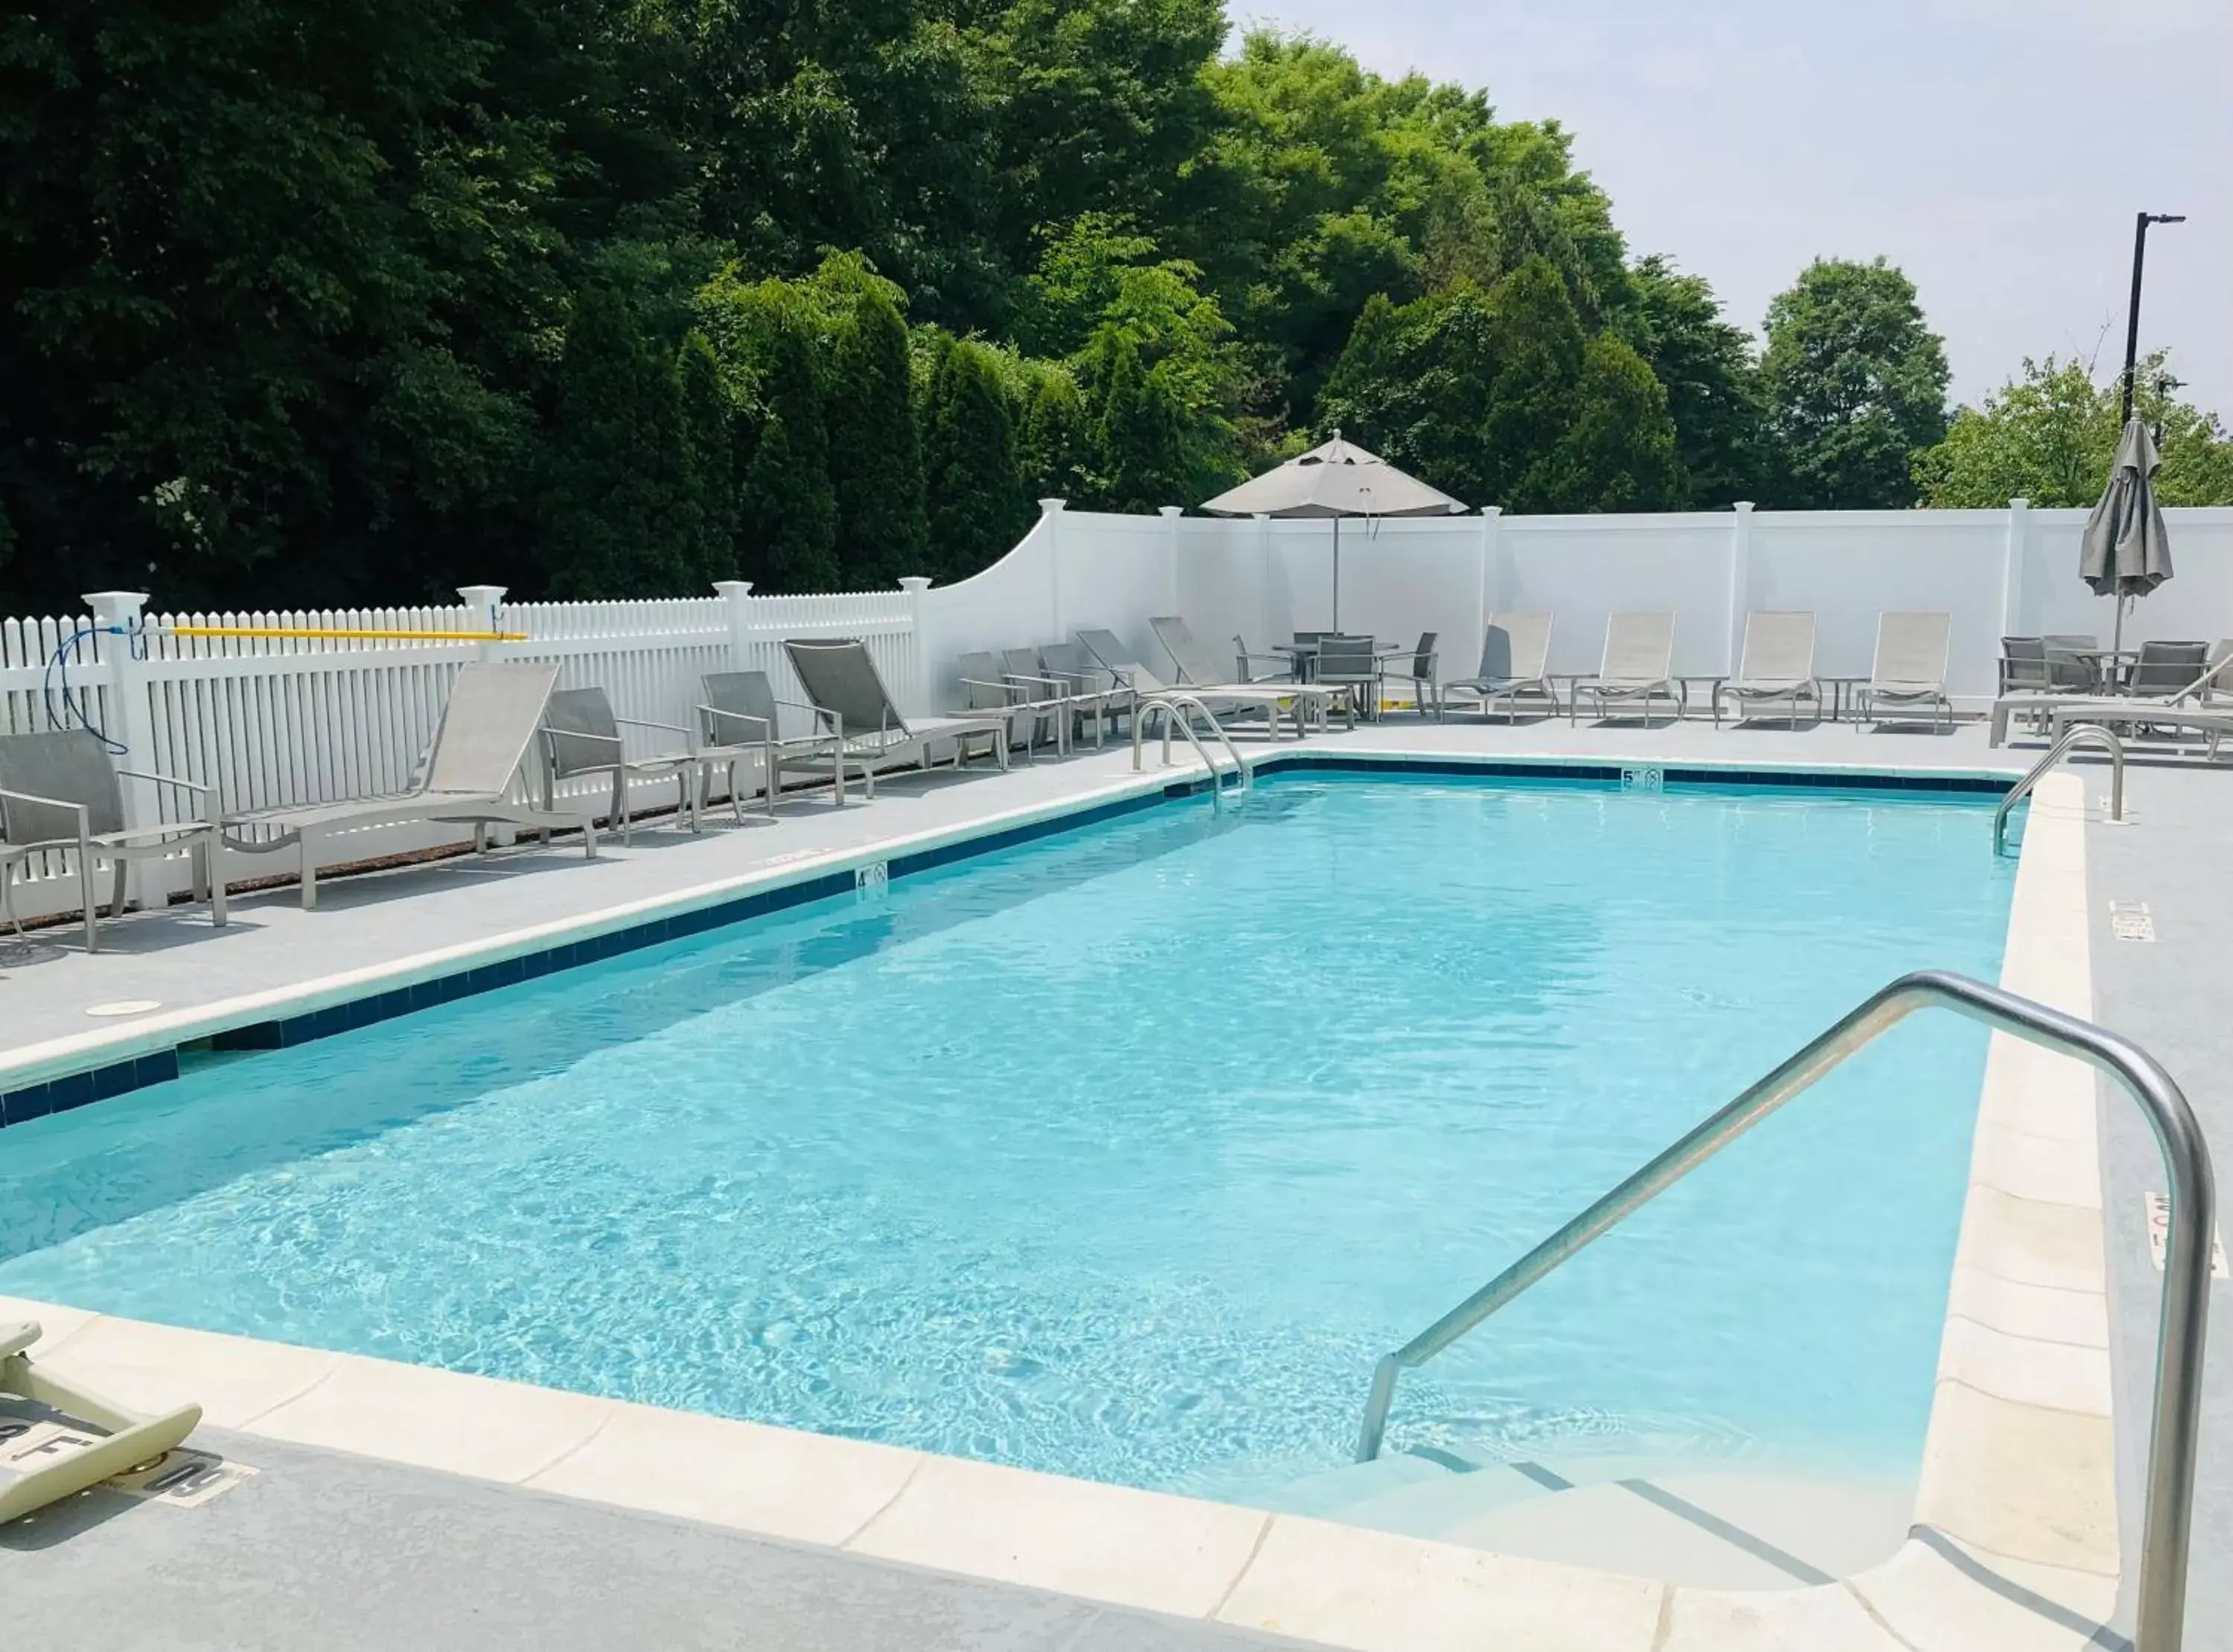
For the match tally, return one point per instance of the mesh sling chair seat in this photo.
(849, 696)
(62, 793)
(1200, 674)
(1909, 669)
(740, 720)
(581, 736)
(1777, 665)
(489, 725)
(1638, 664)
(1424, 671)
(1515, 659)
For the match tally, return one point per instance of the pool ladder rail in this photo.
(2071, 737)
(1171, 705)
(2167, 1523)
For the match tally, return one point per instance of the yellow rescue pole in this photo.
(310, 631)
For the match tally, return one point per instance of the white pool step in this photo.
(1712, 1527)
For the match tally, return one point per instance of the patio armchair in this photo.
(489, 724)
(1094, 693)
(1352, 663)
(61, 793)
(1251, 665)
(1041, 689)
(1515, 659)
(581, 736)
(1424, 672)
(739, 720)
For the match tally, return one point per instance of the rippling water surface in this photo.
(1125, 1153)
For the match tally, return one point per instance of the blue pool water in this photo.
(1126, 1152)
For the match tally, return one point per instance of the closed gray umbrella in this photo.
(1336, 479)
(2126, 551)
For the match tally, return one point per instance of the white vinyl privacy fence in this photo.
(289, 719)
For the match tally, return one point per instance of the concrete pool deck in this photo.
(2017, 1540)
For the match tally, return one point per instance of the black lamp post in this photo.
(2132, 320)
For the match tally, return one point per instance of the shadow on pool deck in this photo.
(340, 1553)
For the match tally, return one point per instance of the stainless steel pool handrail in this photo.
(1170, 706)
(2076, 735)
(2167, 1523)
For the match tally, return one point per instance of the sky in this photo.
(1993, 149)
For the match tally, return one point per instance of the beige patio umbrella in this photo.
(1336, 479)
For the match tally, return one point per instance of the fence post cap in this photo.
(917, 583)
(115, 607)
(1169, 510)
(2019, 503)
(1048, 507)
(1491, 510)
(734, 589)
(1743, 507)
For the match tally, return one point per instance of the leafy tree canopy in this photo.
(2051, 435)
(1856, 385)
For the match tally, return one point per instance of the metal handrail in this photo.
(1170, 705)
(2076, 735)
(2176, 1419)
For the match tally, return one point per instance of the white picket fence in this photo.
(281, 720)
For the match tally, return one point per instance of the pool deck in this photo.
(922, 1544)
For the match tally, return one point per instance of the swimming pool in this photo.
(1125, 1152)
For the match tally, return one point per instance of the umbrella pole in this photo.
(2117, 634)
(1336, 576)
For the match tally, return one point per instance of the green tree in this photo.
(875, 453)
(975, 498)
(1503, 398)
(618, 471)
(787, 507)
(2050, 436)
(707, 507)
(1856, 386)
(1055, 456)
(1712, 381)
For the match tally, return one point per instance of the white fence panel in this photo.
(286, 719)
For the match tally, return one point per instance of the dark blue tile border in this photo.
(76, 1089)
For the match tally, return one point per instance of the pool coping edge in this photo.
(1962, 1579)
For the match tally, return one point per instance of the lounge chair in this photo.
(1638, 664)
(582, 736)
(488, 726)
(1199, 671)
(1910, 669)
(739, 720)
(73, 1457)
(841, 679)
(1778, 664)
(1515, 659)
(58, 794)
(2058, 710)
(1268, 697)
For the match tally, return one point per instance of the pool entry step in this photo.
(1713, 1524)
